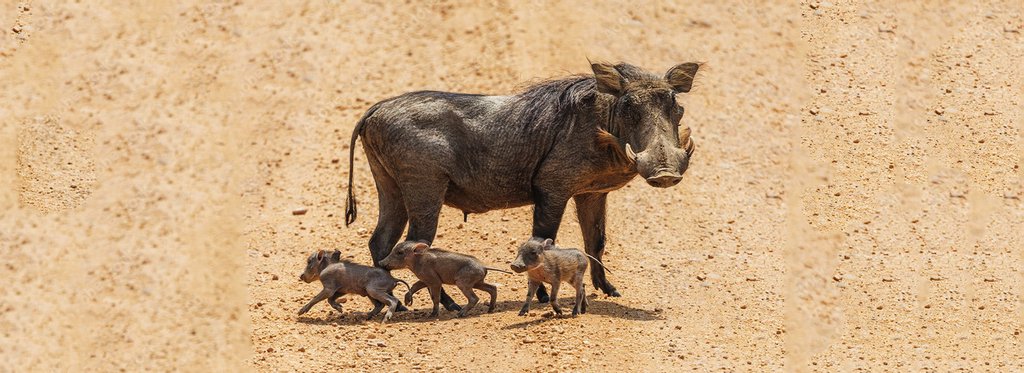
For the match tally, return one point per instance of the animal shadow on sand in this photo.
(356, 311)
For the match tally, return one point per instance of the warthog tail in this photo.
(499, 270)
(598, 262)
(407, 287)
(351, 211)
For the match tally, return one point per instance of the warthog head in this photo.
(531, 254)
(403, 255)
(317, 262)
(645, 118)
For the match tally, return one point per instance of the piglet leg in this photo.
(317, 299)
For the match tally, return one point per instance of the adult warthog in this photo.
(578, 137)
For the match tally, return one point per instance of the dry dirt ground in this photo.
(854, 202)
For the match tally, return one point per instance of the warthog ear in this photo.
(681, 76)
(420, 248)
(607, 79)
(548, 243)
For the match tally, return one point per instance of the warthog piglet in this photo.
(544, 262)
(340, 277)
(434, 267)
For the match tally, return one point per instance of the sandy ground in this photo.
(854, 202)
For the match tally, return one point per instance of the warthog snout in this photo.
(662, 166)
(518, 267)
(664, 179)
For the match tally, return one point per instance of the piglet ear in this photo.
(420, 248)
(320, 255)
(548, 243)
(336, 255)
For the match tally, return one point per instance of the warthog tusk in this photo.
(630, 153)
(688, 144)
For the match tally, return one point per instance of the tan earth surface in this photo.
(854, 202)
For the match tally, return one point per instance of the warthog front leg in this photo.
(548, 209)
(532, 288)
(590, 211)
(319, 297)
(435, 296)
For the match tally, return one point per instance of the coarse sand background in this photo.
(854, 201)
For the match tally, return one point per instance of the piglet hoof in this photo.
(400, 308)
(523, 312)
(433, 314)
(387, 317)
